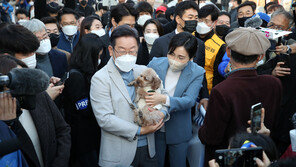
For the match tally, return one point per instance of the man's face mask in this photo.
(222, 30)
(241, 21)
(190, 25)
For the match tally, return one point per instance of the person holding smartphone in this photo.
(230, 101)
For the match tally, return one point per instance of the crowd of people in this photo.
(213, 62)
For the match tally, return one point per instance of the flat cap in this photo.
(247, 41)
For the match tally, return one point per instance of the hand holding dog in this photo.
(154, 99)
(151, 129)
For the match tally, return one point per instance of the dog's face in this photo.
(148, 78)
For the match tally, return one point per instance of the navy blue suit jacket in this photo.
(65, 44)
(179, 127)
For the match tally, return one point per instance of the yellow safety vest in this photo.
(212, 47)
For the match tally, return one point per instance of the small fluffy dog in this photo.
(148, 81)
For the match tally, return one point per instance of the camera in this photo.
(240, 157)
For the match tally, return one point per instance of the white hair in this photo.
(34, 25)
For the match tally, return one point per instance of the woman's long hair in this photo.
(86, 54)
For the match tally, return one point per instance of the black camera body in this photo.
(239, 157)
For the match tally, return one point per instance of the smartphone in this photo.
(238, 157)
(256, 117)
(63, 80)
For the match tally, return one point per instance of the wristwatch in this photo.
(289, 50)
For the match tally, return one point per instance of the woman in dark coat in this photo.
(152, 30)
(85, 131)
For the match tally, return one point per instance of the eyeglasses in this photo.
(273, 26)
(134, 53)
(221, 22)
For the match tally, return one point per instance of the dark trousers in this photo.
(177, 152)
(142, 158)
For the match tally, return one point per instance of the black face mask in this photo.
(222, 30)
(83, 2)
(190, 26)
(54, 39)
(241, 21)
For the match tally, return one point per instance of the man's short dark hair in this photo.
(67, 11)
(123, 31)
(275, 7)
(225, 13)
(144, 7)
(22, 11)
(48, 20)
(122, 10)
(269, 4)
(207, 10)
(248, 3)
(185, 39)
(185, 5)
(17, 39)
(243, 59)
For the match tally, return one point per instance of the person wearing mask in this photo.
(24, 50)
(233, 5)
(145, 12)
(222, 29)
(52, 62)
(84, 9)
(92, 24)
(22, 16)
(223, 25)
(123, 142)
(215, 47)
(123, 14)
(283, 66)
(42, 131)
(182, 79)
(53, 32)
(85, 132)
(244, 11)
(152, 30)
(245, 48)
(69, 35)
(186, 17)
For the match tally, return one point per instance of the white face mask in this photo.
(31, 3)
(69, 30)
(202, 28)
(45, 47)
(21, 21)
(176, 66)
(269, 15)
(99, 61)
(230, 5)
(126, 62)
(100, 32)
(150, 37)
(142, 19)
(30, 61)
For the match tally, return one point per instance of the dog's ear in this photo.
(155, 83)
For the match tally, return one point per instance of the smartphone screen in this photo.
(240, 157)
(256, 117)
